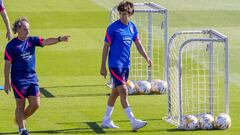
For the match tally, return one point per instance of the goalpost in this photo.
(152, 23)
(197, 74)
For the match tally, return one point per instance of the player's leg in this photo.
(34, 103)
(135, 123)
(112, 98)
(33, 94)
(19, 113)
(107, 123)
(124, 102)
(123, 93)
(122, 76)
(20, 94)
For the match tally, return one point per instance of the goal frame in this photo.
(218, 37)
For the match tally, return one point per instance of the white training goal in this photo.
(152, 23)
(197, 74)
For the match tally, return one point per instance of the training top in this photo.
(2, 8)
(120, 37)
(21, 54)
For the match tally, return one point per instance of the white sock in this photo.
(108, 113)
(129, 114)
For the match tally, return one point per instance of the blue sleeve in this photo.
(135, 35)
(109, 35)
(8, 54)
(37, 41)
(2, 8)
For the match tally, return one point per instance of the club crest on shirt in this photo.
(131, 30)
(29, 44)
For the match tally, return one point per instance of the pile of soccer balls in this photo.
(146, 87)
(206, 121)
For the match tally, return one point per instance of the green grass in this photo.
(70, 71)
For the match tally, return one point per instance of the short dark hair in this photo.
(126, 6)
(18, 23)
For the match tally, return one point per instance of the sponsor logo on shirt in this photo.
(19, 46)
(127, 40)
(26, 55)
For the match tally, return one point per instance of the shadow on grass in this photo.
(183, 130)
(92, 128)
(77, 86)
(86, 131)
(76, 95)
(47, 94)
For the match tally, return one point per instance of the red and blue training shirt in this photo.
(21, 54)
(120, 37)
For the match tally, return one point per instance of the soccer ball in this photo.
(143, 87)
(153, 88)
(223, 121)
(159, 86)
(190, 122)
(130, 87)
(206, 121)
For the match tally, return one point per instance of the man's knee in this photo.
(34, 106)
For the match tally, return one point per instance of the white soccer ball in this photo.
(223, 121)
(159, 86)
(130, 87)
(190, 122)
(143, 87)
(153, 88)
(206, 121)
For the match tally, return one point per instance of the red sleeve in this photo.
(41, 41)
(2, 8)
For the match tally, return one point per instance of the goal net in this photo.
(152, 24)
(197, 74)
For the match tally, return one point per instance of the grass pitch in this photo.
(73, 93)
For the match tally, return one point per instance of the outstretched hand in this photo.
(64, 38)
